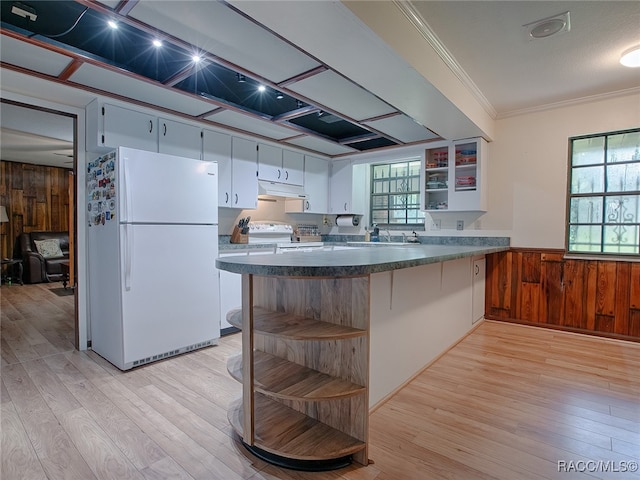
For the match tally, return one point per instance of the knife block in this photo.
(238, 237)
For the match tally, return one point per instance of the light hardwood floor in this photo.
(508, 402)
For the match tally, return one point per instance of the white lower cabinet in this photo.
(230, 292)
(231, 287)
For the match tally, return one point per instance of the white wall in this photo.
(528, 161)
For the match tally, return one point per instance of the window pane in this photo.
(380, 216)
(624, 147)
(414, 168)
(413, 200)
(398, 201)
(586, 210)
(623, 209)
(380, 171)
(380, 186)
(588, 151)
(623, 178)
(380, 201)
(621, 239)
(399, 170)
(587, 180)
(585, 238)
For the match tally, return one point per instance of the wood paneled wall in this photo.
(37, 199)
(541, 287)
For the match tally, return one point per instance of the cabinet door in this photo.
(230, 291)
(216, 147)
(244, 173)
(127, 128)
(466, 174)
(270, 163)
(340, 186)
(176, 138)
(293, 167)
(316, 185)
(478, 289)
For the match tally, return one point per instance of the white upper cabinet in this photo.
(110, 126)
(341, 187)
(176, 138)
(244, 169)
(216, 147)
(270, 163)
(293, 167)
(455, 176)
(281, 166)
(316, 186)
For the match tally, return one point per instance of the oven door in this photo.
(297, 248)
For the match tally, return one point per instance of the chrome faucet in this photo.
(404, 237)
(388, 235)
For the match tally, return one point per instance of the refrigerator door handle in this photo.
(128, 249)
(126, 197)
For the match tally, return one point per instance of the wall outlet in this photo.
(460, 225)
(435, 224)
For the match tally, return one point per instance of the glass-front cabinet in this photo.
(454, 176)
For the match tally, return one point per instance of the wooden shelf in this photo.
(280, 378)
(288, 433)
(293, 327)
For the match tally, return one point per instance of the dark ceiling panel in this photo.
(329, 126)
(216, 81)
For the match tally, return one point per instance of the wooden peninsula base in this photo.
(309, 321)
(305, 378)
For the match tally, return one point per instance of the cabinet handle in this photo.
(279, 174)
(345, 206)
(306, 205)
(164, 133)
(150, 126)
(477, 269)
(236, 198)
(286, 174)
(226, 197)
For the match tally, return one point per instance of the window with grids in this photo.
(395, 194)
(604, 194)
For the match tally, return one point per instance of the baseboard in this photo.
(563, 328)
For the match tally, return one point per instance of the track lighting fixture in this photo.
(299, 104)
(279, 96)
(241, 78)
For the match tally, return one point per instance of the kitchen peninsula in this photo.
(327, 335)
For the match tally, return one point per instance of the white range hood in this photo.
(274, 189)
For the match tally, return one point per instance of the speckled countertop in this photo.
(349, 262)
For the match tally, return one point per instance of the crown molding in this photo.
(569, 103)
(432, 39)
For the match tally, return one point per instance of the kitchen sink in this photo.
(384, 244)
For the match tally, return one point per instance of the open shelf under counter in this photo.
(285, 432)
(280, 378)
(293, 327)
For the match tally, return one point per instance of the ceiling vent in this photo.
(548, 27)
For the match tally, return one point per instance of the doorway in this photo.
(39, 161)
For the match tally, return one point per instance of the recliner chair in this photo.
(36, 268)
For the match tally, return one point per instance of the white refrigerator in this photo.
(152, 242)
